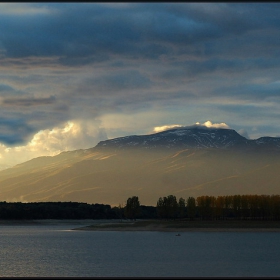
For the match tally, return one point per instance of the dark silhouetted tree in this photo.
(132, 208)
(182, 207)
(191, 209)
(160, 208)
(167, 207)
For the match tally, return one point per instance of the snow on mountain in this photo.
(191, 137)
(188, 137)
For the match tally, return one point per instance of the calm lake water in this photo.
(58, 251)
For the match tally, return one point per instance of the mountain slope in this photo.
(113, 172)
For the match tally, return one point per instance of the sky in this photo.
(73, 74)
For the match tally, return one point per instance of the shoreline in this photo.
(187, 226)
(182, 230)
(44, 222)
(154, 225)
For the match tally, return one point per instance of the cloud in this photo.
(213, 125)
(49, 142)
(165, 127)
(22, 9)
(79, 33)
(72, 135)
(27, 101)
(121, 80)
(207, 124)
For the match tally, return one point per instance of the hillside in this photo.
(109, 175)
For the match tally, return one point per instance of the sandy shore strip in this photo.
(89, 228)
(184, 227)
(152, 225)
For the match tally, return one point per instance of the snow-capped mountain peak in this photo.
(186, 137)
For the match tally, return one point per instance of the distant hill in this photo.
(189, 161)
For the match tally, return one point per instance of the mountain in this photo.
(189, 161)
(192, 137)
(187, 137)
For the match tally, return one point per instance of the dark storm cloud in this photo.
(5, 88)
(74, 31)
(121, 81)
(28, 101)
(20, 130)
(68, 30)
(21, 118)
(244, 90)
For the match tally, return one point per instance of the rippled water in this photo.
(57, 251)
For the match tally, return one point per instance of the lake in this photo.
(54, 250)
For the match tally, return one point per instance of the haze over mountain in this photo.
(184, 161)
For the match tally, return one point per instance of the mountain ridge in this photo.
(192, 137)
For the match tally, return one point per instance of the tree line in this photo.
(54, 210)
(68, 210)
(264, 207)
(253, 207)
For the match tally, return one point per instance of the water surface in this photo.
(58, 251)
